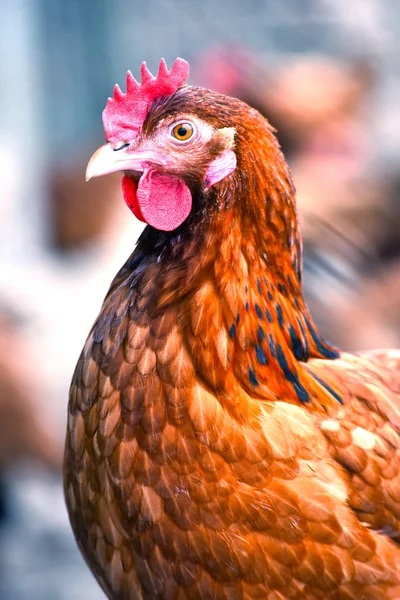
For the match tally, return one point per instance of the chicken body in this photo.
(217, 447)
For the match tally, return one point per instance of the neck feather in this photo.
(236, 283)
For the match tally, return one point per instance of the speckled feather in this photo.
(217, 447)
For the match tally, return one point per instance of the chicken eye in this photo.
(120, 146)
(182, 131)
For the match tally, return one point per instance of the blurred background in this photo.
(327, 75)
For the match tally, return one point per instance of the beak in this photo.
(106, 160)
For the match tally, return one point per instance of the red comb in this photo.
(124, 114)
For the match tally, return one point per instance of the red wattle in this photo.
(160, 200)
(165, 201)
(129, 190)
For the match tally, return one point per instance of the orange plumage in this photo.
(217, 446)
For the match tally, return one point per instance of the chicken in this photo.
(217, 446)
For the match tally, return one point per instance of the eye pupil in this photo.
(182, 131)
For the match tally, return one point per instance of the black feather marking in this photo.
(247, 306)
(280, 355)
(260, 333)
(237, 318)
(301, 392)
(270, 296)
(279, 314)
(281, 288)
(258, 311)
(259, 286)
(252, 377)
(293, 378)
(232, 331)
(297, 346)
(328, 388)
(268, 315)
(260, 354)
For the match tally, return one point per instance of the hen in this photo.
(217, 446)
